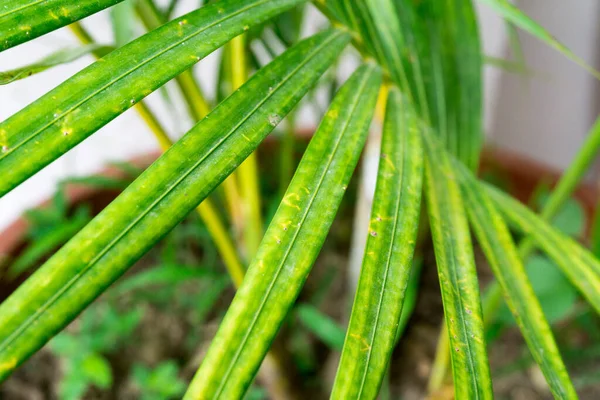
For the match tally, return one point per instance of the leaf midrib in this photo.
(14, 10)
(80, 274)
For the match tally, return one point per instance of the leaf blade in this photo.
(23, 20)
(291, 243)
(57, 58)
(495, 239)
(432, 51)
(161, 197)
(52, 125)
(513, 14)
(458, 276)
(578, 264)
(388, 256)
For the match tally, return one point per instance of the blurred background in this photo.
(543, 113)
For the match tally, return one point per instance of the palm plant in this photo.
(421, 59)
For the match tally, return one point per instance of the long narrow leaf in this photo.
(161, 197)
(458, 276)
(122, 17)
(388, 256)
(291, 243)
(61, 119)
(513, 14)
(495, 240)
(578, 264)
(63, 56)
(23, 20)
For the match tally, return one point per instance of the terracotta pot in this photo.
(523, 174)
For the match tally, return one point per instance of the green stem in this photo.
(288, 146)
(198, 107)
(248, 171)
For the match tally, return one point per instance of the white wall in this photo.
(546, 116)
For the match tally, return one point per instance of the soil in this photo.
(162, 335)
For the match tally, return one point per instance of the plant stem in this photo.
(161, 136)
(248, 170)
(198, 107)
(288, 146)
(441, 362)
(206, 210)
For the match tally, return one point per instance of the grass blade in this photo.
(291, 244)
(161, 197)
(388, 256)
(495, 240)
(458, 276)
(64, 117)
(578, 264)
(23, 20)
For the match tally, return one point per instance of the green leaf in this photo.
(578, 264)
(595, 234)
(560, 195)
(458, 276)
(161, 275)
(44, 245)
(291, 244)
(410, 296)
(321, 325)
(23, 20)
(73, 386)
(569, 219)
(97, 369)
(432, 52)
(160, 198)
(63, 56)
(65, 116)
(513, 14)
(123, 17)
(161, 382)
(99, 182)
(555, 293)
(497, 244)
(388, 256)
